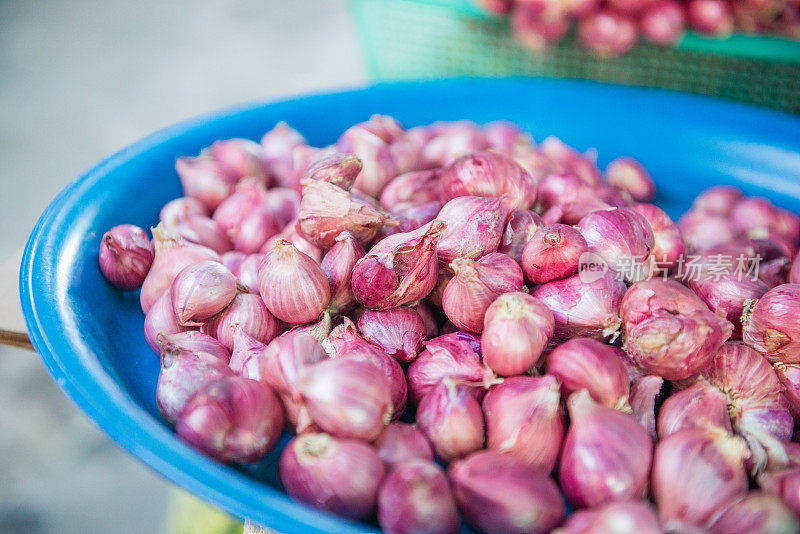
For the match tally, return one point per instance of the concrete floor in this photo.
(79, 80)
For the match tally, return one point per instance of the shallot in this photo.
(341, 476)
(416, 497)
(524, 418)
(125, 256)
(497, 493)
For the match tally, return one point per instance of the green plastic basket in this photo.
(412, 39)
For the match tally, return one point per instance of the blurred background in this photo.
(81, 79)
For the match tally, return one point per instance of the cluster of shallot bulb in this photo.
(416, 306)
(613, 27)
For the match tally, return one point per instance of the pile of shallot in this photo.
(459, 324)
(612, 27)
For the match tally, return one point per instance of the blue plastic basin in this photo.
(90, 335)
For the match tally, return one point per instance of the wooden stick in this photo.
(12, 323)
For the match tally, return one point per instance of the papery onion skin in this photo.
(292, 285)
(670, 332)
(456, 355)
(232, 419)
(629, 175)
(452, 420)
(669, 245)
(622, 238)
(476, 285)
(180, 209)
(161, 319)
(384, 126)
(283, 204)
(284, 361)
(606, 456)
(489, 174)
(247, 272)
(243, 217)
(775, 272)
(570, 195)
(400, 443)
(291, 234)
(428, 319)
(246, 354)
(340, 476)
(409, 217)
(475, 227)
(645, 393)
(516, 329)
(400, 269)
(250, 313)
(202, 290)
(769, 325)
(239, 158)
(745, 376)
(632, 517)
(649, 296)
(588, 309)
(347, 397)
(125, 256)
(417, 187)
(498, 494)
(451, 141)
(789, 375)
(524, 418)
(755, 404)
(337, 264)
(416, 497)
(319, 330)
(567, 159)
(794, 273)
(193, 341)
(584, 363)
(378, 161)
(677, 347)
(302, 157)
(203, 231)
(276, 148)
(698, 406)
(697, 473)
(756, 513)
(339, 169)
(182, 374)
(520, 228)
(172, 255)
(728, 295)
(399, 331)
(388, 366)
(327, 210)
(201, 178)
(553, 253)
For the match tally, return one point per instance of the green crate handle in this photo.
(761, 47)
